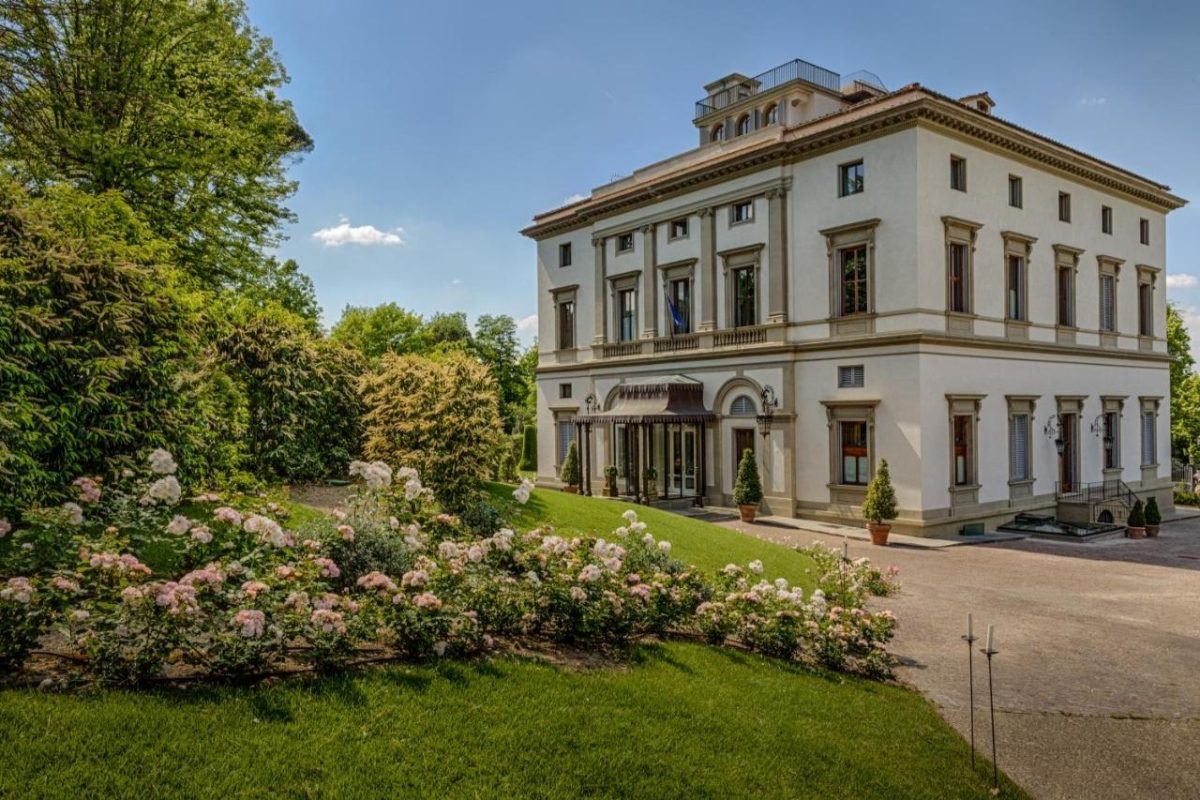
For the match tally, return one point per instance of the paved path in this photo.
(1098, 675)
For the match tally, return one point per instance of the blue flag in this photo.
(676, 317)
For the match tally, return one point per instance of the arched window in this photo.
(743, 125)
(771, 115)
(742, 406)
(718, 133)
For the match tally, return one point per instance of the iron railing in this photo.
(1097, 492)
(797, 70)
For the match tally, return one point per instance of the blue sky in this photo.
(441, 128)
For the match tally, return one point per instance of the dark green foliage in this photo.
(529, 448)
(570, 473)
(1137, 517)
(285, 286)
(482, 518)
(94, 335)
(748, 489)
(172, 103)
(1153, 515)
(880, 503)
(386, 328)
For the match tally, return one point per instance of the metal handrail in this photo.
(796, 69)
(1096, 492)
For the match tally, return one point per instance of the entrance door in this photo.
(1068, 461)
(743, 440)
(681, 461)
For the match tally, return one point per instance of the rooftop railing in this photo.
(791, 71)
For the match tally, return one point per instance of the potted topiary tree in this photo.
(570, 474)
(1135, 526)
(610, 481)
(1153, 516)
(879, 506)
(747, 492)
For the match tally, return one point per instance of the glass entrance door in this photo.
(681, 461)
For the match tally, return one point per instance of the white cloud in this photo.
(575, 198)
(528, 323)
(366, 235)
(456, 282)
(1182, 281)
(1093, 101)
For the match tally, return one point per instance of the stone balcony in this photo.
(684, 343)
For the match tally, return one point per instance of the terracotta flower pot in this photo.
(748, 512)
(1135, 533)
(571, 489)
(879, 532)
(1151, 530)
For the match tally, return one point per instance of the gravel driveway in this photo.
(1098, 676)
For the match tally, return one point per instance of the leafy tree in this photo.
(94, 335)
(439, 416)
(879, 505)
(529, 448)
(386, 328)
(747, 491)
(287, 287)
(444, 333)
(1185, 388)
(172, 103)
(528, 365)
(496, 344)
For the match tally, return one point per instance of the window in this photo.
(743, 440)
(717, 134)
(566, 324)
(564, 254)
(743, 125)
(852, 377)
(1108, 303)
(1145, 304)
(772, 114)
(1019, 468)
(744, 299)
(1016, 288)
(1144, 231)
(855, 469)
(964, 446)
(1015, 198)
(742, 406)
(679, 304)
(678, 229)
(1105, 220)
(1112, 440)
(566, 435)
(960, 296)
(1149, 446)
(850, 178)
(958, 173)
(1064, 207)
(742, 212)
(853, 291)
(564, 391)
(1066, 296)
(625, 243)
(626, 315)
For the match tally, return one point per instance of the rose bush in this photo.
(389, 578)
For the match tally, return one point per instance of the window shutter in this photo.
(1147, 437)
(851, 377)
(754, 121)
(566, 435)
(1107, 321)
(1018, 446)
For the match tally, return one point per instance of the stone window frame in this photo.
(965, 233)
(669, 273)
(836, 412)
(1071, 404)
(1066, 258)
(733, 220)
(748, 119)
(564, 254)
(565, 390)
(618, 249)
(687, 229)
(749, 257)
(843, 173)
(766, 113)
(964, 405)
(563, 416)
(1064, 207)
(1112, 404)
(1021, 405)
(842, 237)
(958, 173)
(1020, 245)
(561, 295)
(1015, 181)
(617, 284)
(1144, 230)
(1149, 405)
(1106, 220)
(1108, 267)
(1147, 276)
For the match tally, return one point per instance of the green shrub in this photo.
(1153, 515)
(571, 474)
(748, 489)
(440, 417)
(1137, 516)
(879, 506)
(529, 449)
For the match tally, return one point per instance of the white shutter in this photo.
(1148, 437)
(1107, 316)
(566, 435)
(1018, 446)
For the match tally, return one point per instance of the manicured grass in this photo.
(697, 542)
(682, 721)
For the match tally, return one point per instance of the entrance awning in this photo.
(673, 400)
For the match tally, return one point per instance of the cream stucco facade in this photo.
(965, 333)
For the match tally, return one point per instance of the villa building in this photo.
(840, 274)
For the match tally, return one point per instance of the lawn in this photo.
(677, 720)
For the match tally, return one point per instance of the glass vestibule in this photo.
(672, 450)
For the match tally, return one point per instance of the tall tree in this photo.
(496, 344)
(386, 328)
(172, 103)
(1185, 389)
(286, 286)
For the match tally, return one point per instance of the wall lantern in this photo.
(1100, 428)
(590, 404)
(1053, 430)
(769, 404)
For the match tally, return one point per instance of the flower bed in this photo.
(389, 579)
